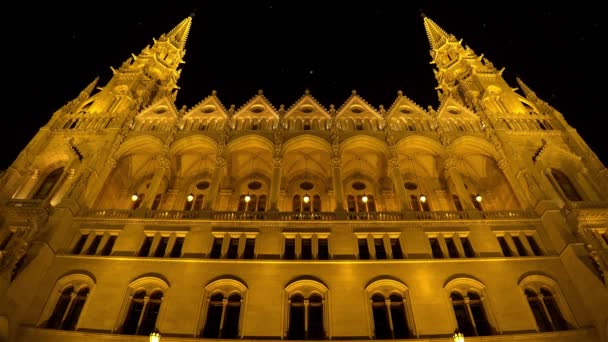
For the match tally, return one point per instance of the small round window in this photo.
(359, 186)
(202, 185)
(254, 185)
(410, 186)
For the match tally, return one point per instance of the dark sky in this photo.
(284, 47)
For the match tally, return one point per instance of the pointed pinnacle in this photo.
(179, 34)
(435, 34)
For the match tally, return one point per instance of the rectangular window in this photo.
(380, 251)
(452, 250)
(436, 249)
(506, 251)
(535, 247)
(216, 249)
(306, 249)
(145, 247)
(93, 247)
(396, 249)
(323, 249)
(162, 247)
(78, 247)
(233, 248)
(248, 253)
(363, 249)
(290, 249)
(468, 248)
(176, 251)
(521, 250)
(107, 249)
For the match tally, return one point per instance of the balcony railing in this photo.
(321, 216)
(25, 208)
(579, 205)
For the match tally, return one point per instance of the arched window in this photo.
(223, 311)
(297, 318)
(222, 316)
(67, 302)
(547, 305)
(382, 326)
(48, 184)
(156, 202)
(357, 204)
(566, 185)
(306, 317)
(389, 310)
(539, 312)
(67, 310)
(472, 309)
(470, 314)
(306, 310)
(256, 203)
(142, 314)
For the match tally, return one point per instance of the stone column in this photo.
(337, 179)
(164, 164)
(398, 183)
(275, 184)
(92, 194)
(216, 179)
(454, 178)
(504, 166)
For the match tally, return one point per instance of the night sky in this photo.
(284, 47)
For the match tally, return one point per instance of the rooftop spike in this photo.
(526, 90)
(436, 35)
(179, 34)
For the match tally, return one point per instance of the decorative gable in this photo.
(405, 114)
(158, 116)
(256, 114)
(209, 114)
(357, 114)
(307, 113)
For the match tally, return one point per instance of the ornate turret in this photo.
(144, 79)
(460, 73)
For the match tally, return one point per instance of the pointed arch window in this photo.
(547, 303)
(156, 202)
(457, 203)
(48, 184)
(357, 204)
(67, 310)
(222, 320)
(566, 185)
(470, 314)
(389, 317)
(142, 314)
(306, 317)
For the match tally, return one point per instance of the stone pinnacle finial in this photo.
(260, 92)
(354, 92)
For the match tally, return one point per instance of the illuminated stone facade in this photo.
(125, 214)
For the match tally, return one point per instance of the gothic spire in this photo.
(525, 89)
(179, 34)
(436, 35)
(86, 92)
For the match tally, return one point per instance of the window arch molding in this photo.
(536, 283)
(148, 284)
(306, 288)
(227, 287)
(388, 287)
(79, 282)
(464, 285)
